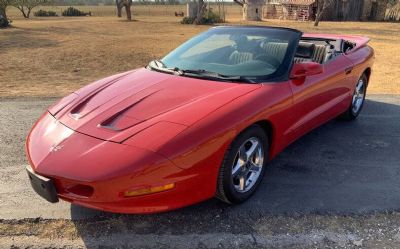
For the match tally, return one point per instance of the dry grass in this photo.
(54, 56)
(232, 10)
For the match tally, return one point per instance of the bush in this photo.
(4, 22)
(187, 20)
(210, 17)
(71, 11)
(45, 13)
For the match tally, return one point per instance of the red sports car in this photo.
(201, 122)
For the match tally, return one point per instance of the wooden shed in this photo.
(356, 10)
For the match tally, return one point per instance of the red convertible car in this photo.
(201, 122)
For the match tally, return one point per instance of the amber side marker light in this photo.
(146, 191)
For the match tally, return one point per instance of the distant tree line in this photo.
(82, 2)
(112, 2)
(26, 6)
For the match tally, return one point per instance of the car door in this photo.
(319, 98)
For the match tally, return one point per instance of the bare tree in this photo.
(322, 5)
(200, 12)
(240, 2)
(127, 4)
(393, 13)
(26, 6)
(119, 7)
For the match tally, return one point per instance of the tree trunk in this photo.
(22, 9)
(3, 12)
(119, 8)
(28, 13)
(317, 19)
(23, 13)
(200, 12)
(128, 11)
(322, 5)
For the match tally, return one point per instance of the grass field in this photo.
(231, 10)
(54, 56)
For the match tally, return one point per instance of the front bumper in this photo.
(43, 186)
(95, 173)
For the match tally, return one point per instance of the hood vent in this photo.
(76, 112)
(119, 121)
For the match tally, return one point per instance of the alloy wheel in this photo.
(358, 96)
(247, 165)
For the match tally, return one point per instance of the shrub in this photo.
(209, 17)
(71, 11)
(4, 22)
(212, 17)
(45, 13)
(187, 20)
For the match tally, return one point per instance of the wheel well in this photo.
(367, 72)
(269, 130)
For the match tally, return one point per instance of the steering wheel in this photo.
(268, 59)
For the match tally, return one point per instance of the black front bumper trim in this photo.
(43, 186)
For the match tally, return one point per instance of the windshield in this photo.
(250, 52)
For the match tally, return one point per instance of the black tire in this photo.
(226, 190)
(350, 114)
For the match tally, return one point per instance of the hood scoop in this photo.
(80, 109)
(121, 120)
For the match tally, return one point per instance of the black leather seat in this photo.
(319, 55)
(241, 53)
(304, 52)
(276, 50)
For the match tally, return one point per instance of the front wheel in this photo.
(358, 99)
(244, 165)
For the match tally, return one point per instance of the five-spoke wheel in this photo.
(357, 100)
(247, 164)
(243, 167)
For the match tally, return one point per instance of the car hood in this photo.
(120, 106)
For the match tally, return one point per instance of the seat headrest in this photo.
(305, 50)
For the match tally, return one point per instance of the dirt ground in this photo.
(312, 231)
(54, 56)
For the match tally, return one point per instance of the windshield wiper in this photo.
(158, 65)
(212, 75)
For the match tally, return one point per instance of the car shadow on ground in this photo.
(339, 168)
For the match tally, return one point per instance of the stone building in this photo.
(252, 9)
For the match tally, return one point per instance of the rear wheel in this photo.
(244, 165)
(358, 99)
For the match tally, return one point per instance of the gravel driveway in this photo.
(337, 187)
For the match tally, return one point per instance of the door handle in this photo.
(348, 70)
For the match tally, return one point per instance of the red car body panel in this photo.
(119, 109)
(145, 129)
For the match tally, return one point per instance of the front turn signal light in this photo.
(146, 191)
